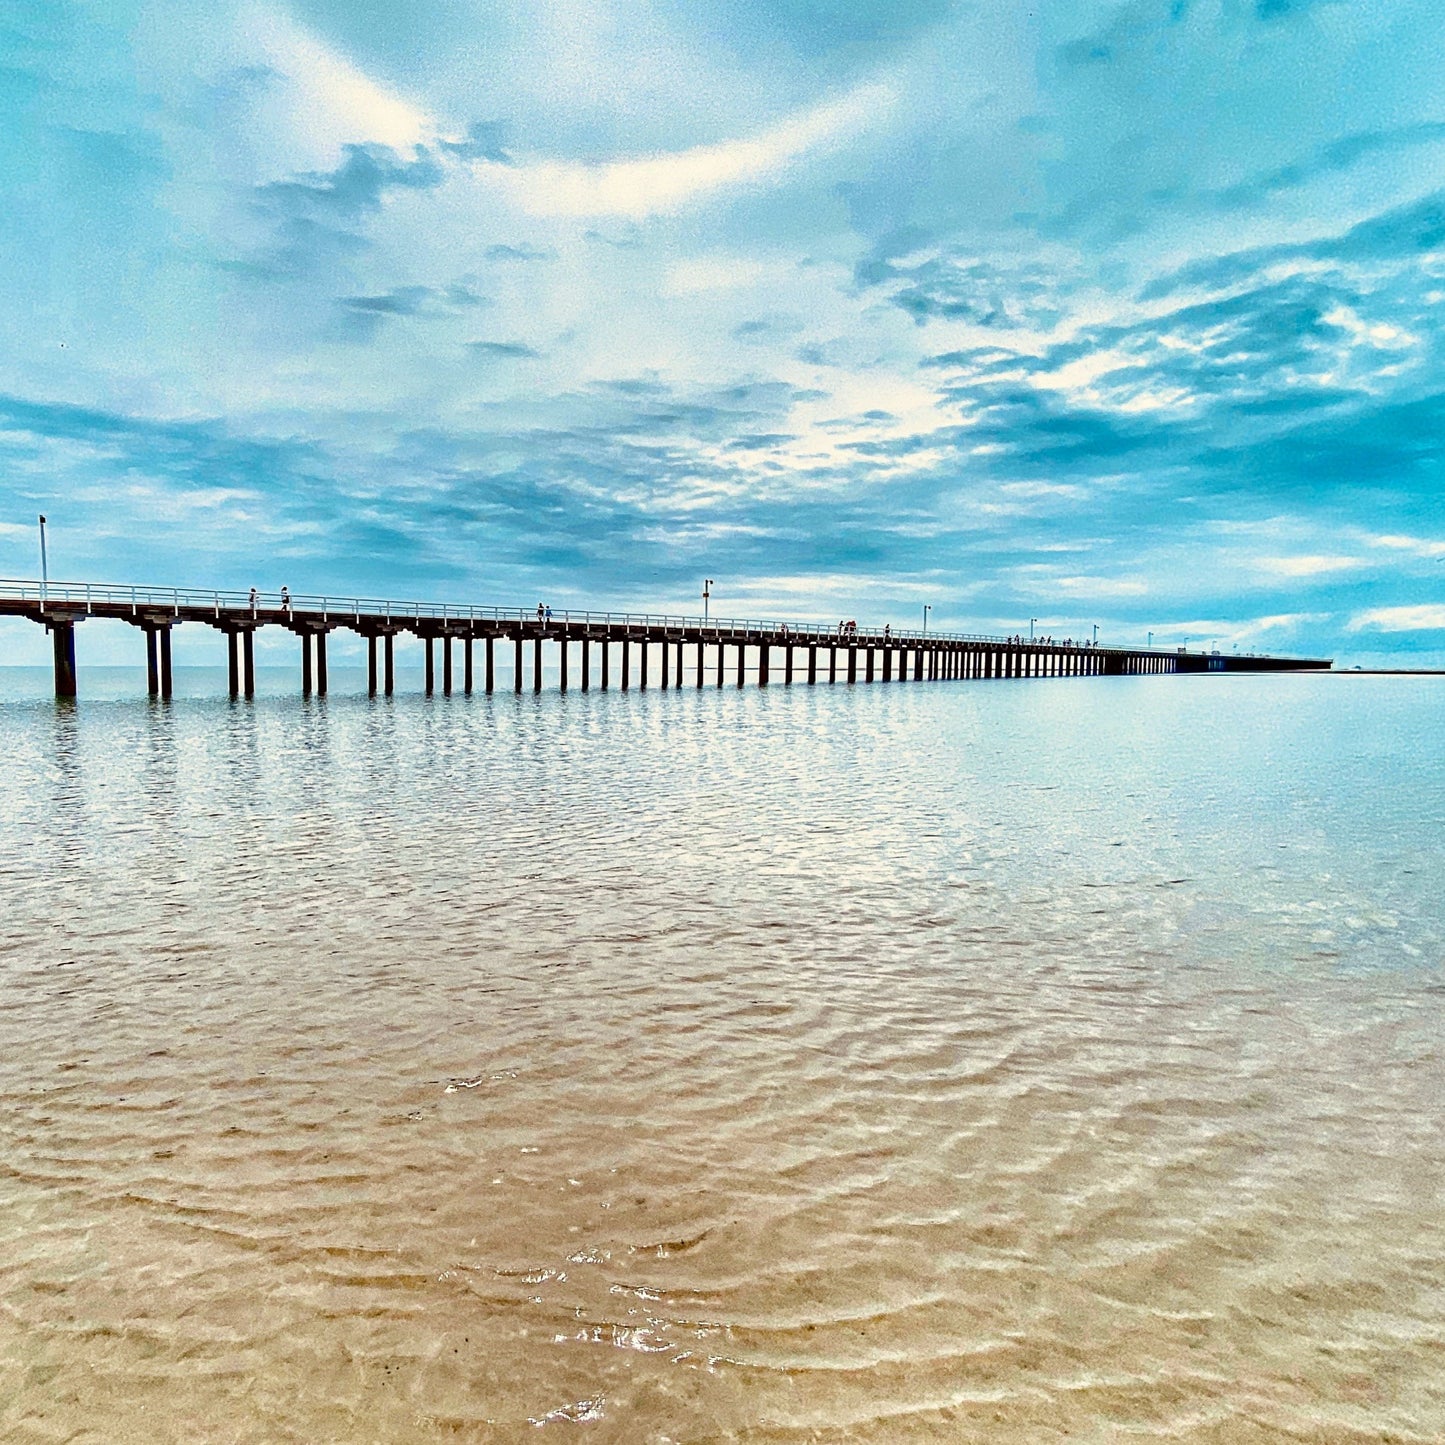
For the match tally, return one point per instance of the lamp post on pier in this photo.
(706, 596)
(1032, 620)
(927, 608)
(44, 560)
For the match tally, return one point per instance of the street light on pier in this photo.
(1096, 634)
(706, 595)
(44, 561)
(1151, 640)
(927, 608)
(1032, 620)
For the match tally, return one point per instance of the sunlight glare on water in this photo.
(935, 1062)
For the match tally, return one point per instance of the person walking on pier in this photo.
(541, 613)
(253, 602)
(285, 600)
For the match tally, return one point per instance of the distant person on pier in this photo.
(253, 599)
(541, 612)
(549, 617)
(285, 600)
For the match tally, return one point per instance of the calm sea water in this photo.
(1001, 1062)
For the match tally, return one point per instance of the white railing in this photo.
(284, 606)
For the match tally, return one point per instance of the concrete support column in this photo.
(642, 667)
(371, 666)
(233, 664)
(562, 664)
(666, 667)
(832, 662)
(812, 664)
(306, 664)
(489, 666)
(742, 661)
(763, 652)
(679, 662)
(788, 665)
(467, 666)
(517, 662)
(447, 665)
(887, 663)
(537, 663)
(431, 664)
(321, 664)
(586, 664)
(868, 666)
(62, 640)
(699, 661)
(626, 663)
(153, 667)
(248, 663)
(389, 661)
(852, 664)
(606, 660)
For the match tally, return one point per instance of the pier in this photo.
(646, 650)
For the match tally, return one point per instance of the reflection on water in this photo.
(913, 1063)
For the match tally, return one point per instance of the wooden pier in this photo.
(649, 650)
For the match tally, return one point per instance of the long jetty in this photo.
(718, 649)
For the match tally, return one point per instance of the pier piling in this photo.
(153, 666)
(62, 638)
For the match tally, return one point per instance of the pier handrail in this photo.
(331, 609)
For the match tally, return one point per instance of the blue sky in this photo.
(1090, 312)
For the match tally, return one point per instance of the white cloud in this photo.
(1420, 546)
(1427, 617)
(1307, 566)
(329, 101)
(648, 185)
(1100, 586)
(715, 273)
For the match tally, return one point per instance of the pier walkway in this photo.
(645, 648)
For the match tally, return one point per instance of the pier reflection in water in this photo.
(910, 1064)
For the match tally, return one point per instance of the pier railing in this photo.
(337, 609)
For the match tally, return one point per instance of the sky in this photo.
(1089, 313)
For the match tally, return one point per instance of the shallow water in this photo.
(1006, 1062)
